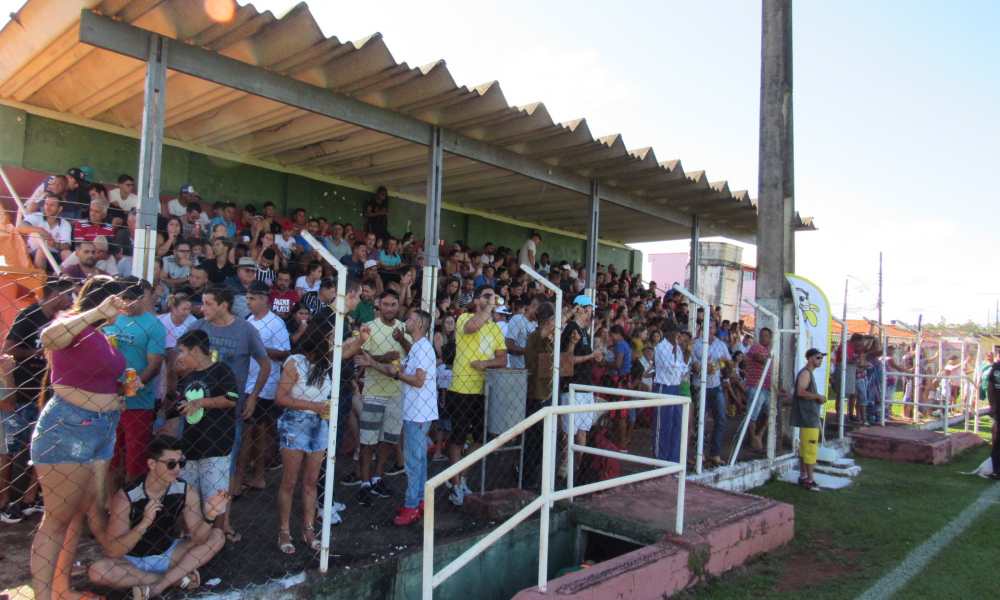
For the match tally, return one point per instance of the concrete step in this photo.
(850, 471)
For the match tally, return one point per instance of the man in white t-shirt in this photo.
(123, 197)
(420, 408)
(527, 254)
(258, 446)
(487, 257)
(46, 229)
(519, 328)
(105, 260)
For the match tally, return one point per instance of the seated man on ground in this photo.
(143, 550)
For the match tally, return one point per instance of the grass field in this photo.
(847, 540)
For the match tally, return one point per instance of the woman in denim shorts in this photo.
(304, 392)
(75, 435)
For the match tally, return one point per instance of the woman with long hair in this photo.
(165, 242)
(445, 347)
(304, 392)
(298, 322)
(74, 439)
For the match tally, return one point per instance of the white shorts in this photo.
(582, 421)
(207, 475)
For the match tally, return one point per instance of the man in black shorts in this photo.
(144, 552)
(479, 345)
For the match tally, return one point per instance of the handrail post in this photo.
(556, 341)
(746, 422)
(916, 369)
(979, 382)
(338, 353)
(842, 373)
(700, 442)
(682, 476)
(543, 540)
(571, 442)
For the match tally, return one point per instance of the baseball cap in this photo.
(87, 173)
(503, 310)
(76, 174)
(814, 352)
(187, 188)
(258, 287)
(287, 225)
(246, 262)
(582, 300)
(370, 263)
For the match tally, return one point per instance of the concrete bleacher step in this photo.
(826, 482)
(849, 471)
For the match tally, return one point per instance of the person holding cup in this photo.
(304, 391)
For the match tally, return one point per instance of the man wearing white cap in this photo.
(371, 276)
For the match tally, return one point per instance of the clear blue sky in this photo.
(896, 126)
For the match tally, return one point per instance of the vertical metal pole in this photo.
(571, 443)
(593, 229)
(916, 370)
(695, 255)
(150, 155)
(428, 562)
(432, 224)
(978, 378)
(842, 373)
(963, 387)
(772, 415)
(682, 476)
(547, 474)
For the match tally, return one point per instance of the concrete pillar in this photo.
(432, 223)
(150, 155)
(776, 181)
(593, 227)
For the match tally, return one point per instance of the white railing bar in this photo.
(564, 409)
(598, 486)
(842, 373)
(930, 376)
(926, 405)
(772, 420)
(752, 407)
(703, 388)
(334, 417)
(487, 541)
(556, 340)
(617, 392)
(642, 460)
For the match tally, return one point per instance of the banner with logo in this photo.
(814, 319)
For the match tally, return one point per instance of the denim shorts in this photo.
(159, 563)
(763, 403)
(303, 430)
(66, 433)
(17, 428)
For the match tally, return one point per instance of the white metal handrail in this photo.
(945, 407)
(703, 388)
(750, 409)
(548, 415)
(772, 417)
(338, 352)
(842, 372)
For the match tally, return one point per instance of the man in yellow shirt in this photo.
(479, 345)
(382, 412)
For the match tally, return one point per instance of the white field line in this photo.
(925, 553)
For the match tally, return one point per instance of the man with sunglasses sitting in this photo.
(143, 545)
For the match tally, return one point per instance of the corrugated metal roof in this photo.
(43, 65)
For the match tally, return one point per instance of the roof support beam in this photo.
(129, 40)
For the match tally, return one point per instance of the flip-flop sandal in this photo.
(192, 577)
(233, 536)
(139, 592)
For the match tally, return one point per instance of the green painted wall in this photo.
(42, 144)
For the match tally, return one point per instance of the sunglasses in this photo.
(173, 464)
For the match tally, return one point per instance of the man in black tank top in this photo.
(143, 545)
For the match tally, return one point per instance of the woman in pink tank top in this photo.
(75, 435)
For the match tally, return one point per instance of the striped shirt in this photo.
(755, 369)
(670, 364)
(265, 275)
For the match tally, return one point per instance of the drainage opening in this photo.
(596, 546)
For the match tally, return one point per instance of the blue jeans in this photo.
(715, 401)
(17, 427)
(763, 407)
(415, 459)
(667, 434)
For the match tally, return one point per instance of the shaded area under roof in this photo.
(43, 64)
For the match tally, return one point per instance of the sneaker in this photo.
(337, 507)
(407, 516)
(335, 518)
(275, 464)
(395, 470)
(31, 508)
(457, 497)
(351, 479)
(381, 489)
(465, 487)
(563, 471)
(365, 497)
(449, 485)
(11, 513)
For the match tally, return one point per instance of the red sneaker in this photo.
(408, 516)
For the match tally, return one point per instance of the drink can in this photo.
(113, 338)
(327, 417)
(395, 365)
(215, 356)
(131, 382)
